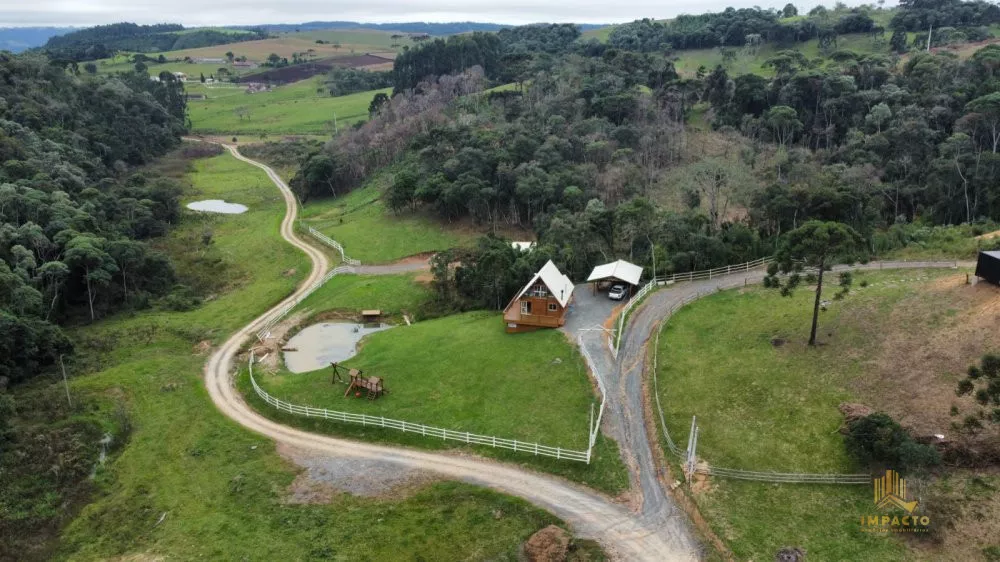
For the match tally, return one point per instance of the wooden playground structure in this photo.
(359, 383)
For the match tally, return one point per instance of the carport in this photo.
(619, 271)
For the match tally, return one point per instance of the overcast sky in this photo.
(246, 12)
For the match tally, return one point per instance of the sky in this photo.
(18, 13)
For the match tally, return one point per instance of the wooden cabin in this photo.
(541, 303)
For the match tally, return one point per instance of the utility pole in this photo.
(652, 252)
(930, 31)
(65, 380)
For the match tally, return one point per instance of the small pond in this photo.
(329, 342)
(217, 206)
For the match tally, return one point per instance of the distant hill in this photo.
(103, 41)
(450, 28)
(17, 39)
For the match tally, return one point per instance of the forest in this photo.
(104, 41)
(583, 155)
(74, 214)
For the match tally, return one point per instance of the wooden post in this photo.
(65, 380)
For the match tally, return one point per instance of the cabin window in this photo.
(553, 307)
(539, 291)
(525, 307)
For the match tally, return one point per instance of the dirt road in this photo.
(623, 534)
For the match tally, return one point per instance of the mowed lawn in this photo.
(372, 233)
(300, 108)
(191, 484)
(768, 407)
(464, 373)
(392, 294)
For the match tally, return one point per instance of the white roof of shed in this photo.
(559, 285)
(621, 269)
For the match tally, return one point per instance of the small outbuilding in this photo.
(988, 267)
(615, 272)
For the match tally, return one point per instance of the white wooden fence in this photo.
(277, 315)
(615, 339)
(425, 430)
(331, 243)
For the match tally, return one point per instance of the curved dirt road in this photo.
(623, 534)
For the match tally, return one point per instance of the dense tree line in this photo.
(103, 41)
(72, 218)
(343, 81)
(920, 15)
(745, 27)
(865, 143)
(502, 55)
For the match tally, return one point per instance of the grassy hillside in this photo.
(892, 345)
(336, 43)
(373, 234)
(300, 108)
(392, 294)
(191, 484)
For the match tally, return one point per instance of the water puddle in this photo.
(217, 206)
(321, 344)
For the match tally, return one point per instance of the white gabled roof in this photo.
(559, 285)
(621, 269)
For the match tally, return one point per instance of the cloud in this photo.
(248, 12)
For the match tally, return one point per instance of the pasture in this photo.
(372, 233)
(766, 401)
(304, 107)
(336, 43)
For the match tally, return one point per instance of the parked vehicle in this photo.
(617, 292)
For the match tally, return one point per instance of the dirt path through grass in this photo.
(622, 533)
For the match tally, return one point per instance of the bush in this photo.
(877, 441)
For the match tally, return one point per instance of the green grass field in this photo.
(284, 44)
(301, 108)
(373, 234)
(392, 294)
(465, 373)
(189, 483)
(767, 408)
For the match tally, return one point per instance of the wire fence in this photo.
(331, 243)
(688, 456)
(595, 428)
(424, 430)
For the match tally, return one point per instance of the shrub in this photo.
(878, 441)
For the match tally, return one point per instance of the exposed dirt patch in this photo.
(854, 412)
(202, 347)
(288, 273)
(268, 352)
(323, 477)
(927, 342)
(778, 342)
(550, 544)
